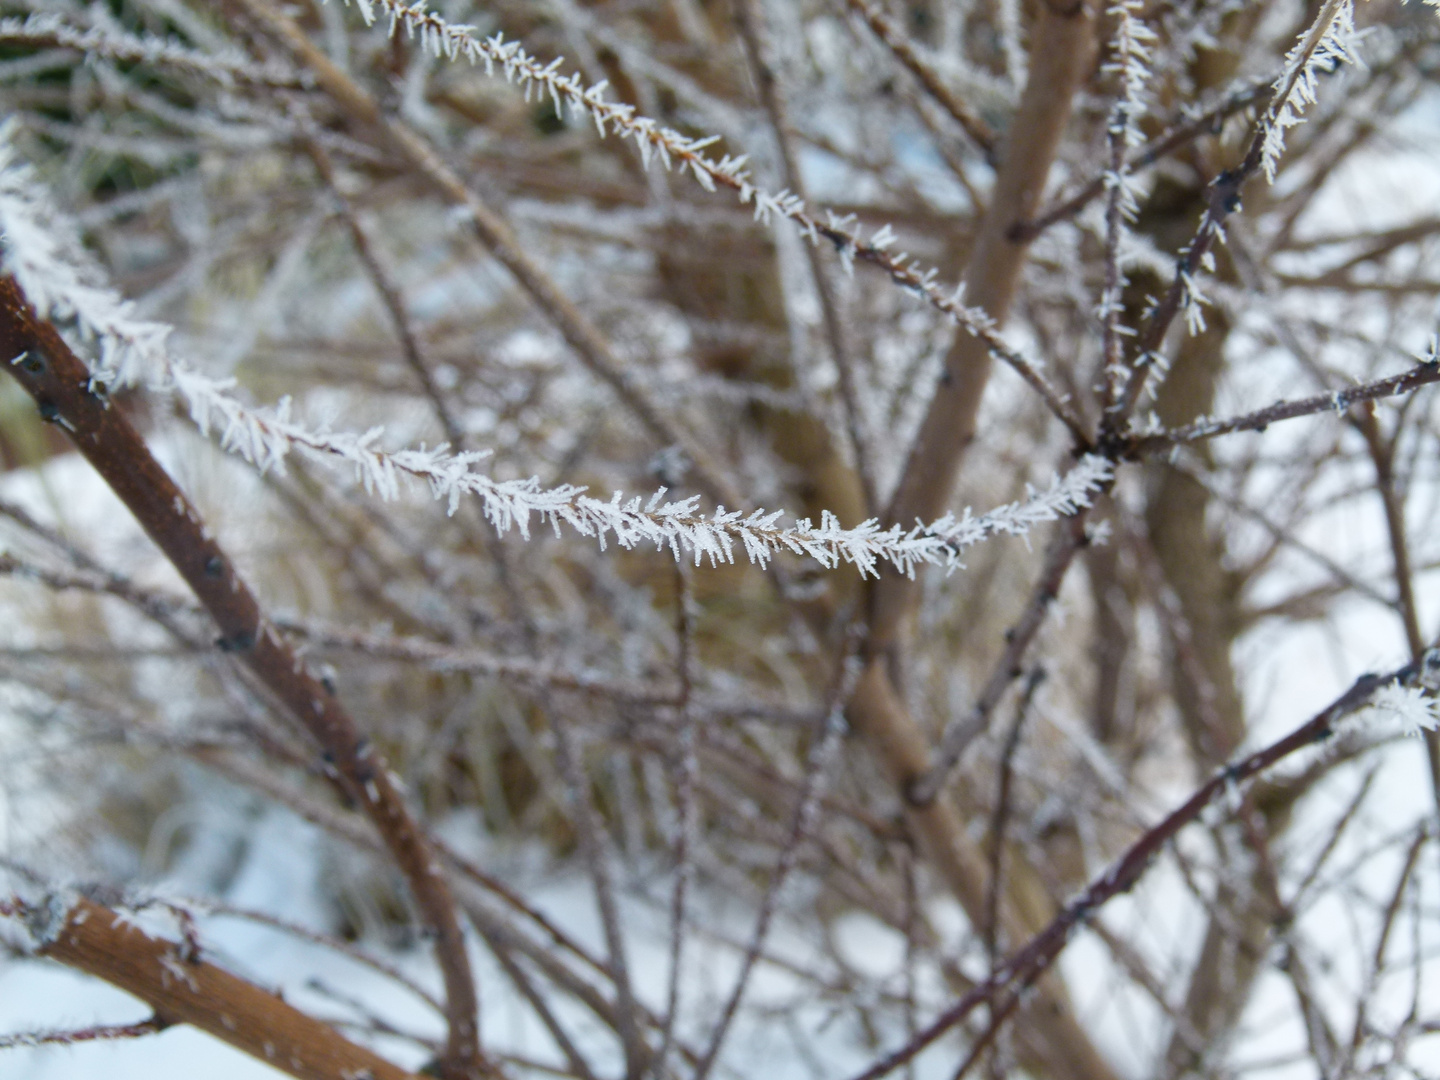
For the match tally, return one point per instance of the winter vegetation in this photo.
(693, 539)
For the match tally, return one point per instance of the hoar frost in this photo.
(1411, 706)
(42, 251)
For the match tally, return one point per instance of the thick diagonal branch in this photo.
(184, 989)
(61, 385)
(1062, 45)
(1062, 48)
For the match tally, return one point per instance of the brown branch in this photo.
(1177, 136)
(894, 39)
(98, 1033)
(61, 385)
(755, 35)
(1382, 454)
(589, 343)
(184, 989)
(1029, 963)
(1336, 401)
(1062, 45)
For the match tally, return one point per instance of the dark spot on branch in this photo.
(244, 641)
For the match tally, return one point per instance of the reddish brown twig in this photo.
(71, 1036)
(61, 385)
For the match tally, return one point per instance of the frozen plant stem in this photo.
(1424, 373)
(62, 388)
(1326, 39)
(135, 351)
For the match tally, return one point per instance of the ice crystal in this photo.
(454, 41)
(1329, 41)
(42, 251)
(1410, 705)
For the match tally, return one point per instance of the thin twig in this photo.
(1336, 401)
(101, 1032)
(756, 35)
(802, 820)
(1382, 455)
(595, 851)
(999, 818)
(686, 768)
(894, 39)
(61, 386)
(1177, 136)
(1027, 964)
(962, 731)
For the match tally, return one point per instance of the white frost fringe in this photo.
(1331, 39)
(43, 252)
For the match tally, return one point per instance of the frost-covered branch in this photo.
(452, 41)
(65, 391)
(1131, 64)
(1424, 373)
(1398, 693)
(45, 258)
(1190, 125)
(1331, 40)
(1330, 37)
